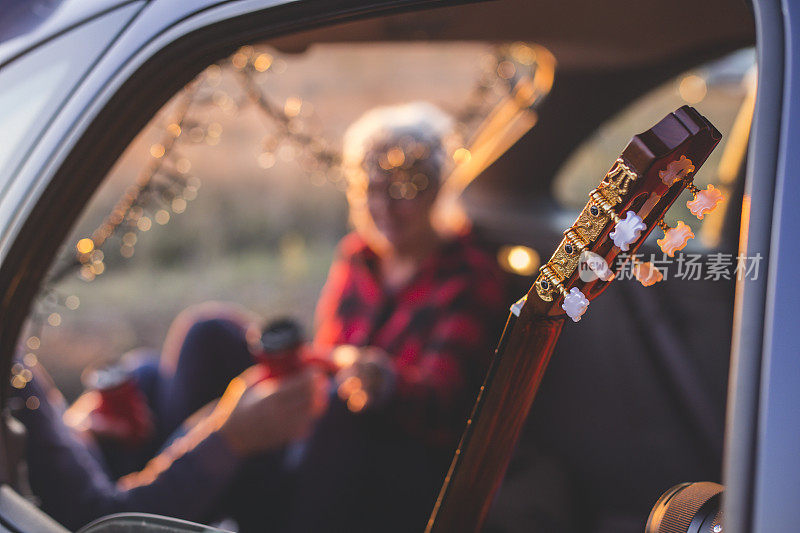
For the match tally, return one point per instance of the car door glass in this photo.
(234, 192)
(231, 205)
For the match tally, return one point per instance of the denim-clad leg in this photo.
(212, 353)
(360, 475)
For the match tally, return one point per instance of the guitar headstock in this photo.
(630, 202)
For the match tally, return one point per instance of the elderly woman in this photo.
(414, 312)
(419, 304)
(408, 314)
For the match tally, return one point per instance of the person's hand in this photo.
(366, 377)
(257, 416)
(126, 419)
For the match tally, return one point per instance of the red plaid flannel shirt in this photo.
(440, 329)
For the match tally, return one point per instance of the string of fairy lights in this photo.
(291, 124)
(166, 184)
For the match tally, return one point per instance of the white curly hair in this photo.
(415, 122)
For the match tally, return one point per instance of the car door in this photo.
(762, 467)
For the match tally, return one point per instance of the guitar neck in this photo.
(494, 426)
(655, 167)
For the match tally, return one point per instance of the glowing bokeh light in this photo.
(129, 238)
(174, 129)
(395, 156)
(262, 62)
(162, 216)
(345, 355)
(85, 246)
(348, 387)
(357, 401)
(157, 150)
(506, 70)
(54, 319)
(462, 155)
(693, 89)
(178, 205)
(183, 165)
(520, 260)
(292, 106)
(144, 224)
(266, 160)
(72, 302)
(239, 60)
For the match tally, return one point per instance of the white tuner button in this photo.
(593, 266)
(575, 304)
(627, 230)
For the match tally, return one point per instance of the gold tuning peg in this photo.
(575, 302)
(674, 238)
(704, 201)
(601, 203)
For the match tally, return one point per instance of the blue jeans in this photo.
(358, 473)
(212, 352)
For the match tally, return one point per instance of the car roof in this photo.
(605, 35)
(582, 34)
(25, 24)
